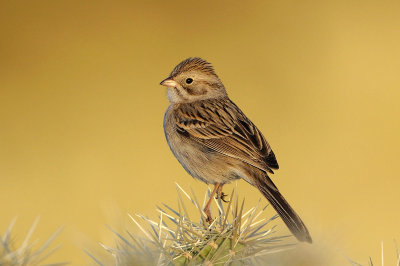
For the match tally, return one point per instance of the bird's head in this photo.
(192, 80)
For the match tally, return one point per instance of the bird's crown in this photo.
(193, 64)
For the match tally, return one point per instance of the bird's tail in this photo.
(282, 207)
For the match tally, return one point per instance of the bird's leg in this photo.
(207, 207)
(220, 194)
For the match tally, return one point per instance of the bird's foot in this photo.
(221, 195)
(209, 219)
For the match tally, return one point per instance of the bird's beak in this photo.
(169, 82)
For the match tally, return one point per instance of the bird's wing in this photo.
(221, 126)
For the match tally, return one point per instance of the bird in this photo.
(216, 143)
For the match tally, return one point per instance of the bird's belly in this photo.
(200, 162)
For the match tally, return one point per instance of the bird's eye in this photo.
(189, 80)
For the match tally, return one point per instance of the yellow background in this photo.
(81, 113)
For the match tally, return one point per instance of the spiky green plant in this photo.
(235, 237)
(26, 253)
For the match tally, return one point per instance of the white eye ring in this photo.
(189, 80)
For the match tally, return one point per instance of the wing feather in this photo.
(221, 126)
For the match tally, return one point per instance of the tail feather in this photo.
(285, 211)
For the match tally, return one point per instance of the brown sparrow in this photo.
(215, 142)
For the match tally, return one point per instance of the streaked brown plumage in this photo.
(215, 142)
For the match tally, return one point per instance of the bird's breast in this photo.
(198, 160)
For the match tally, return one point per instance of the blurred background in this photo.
(81, 111)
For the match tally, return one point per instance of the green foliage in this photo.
(26, 253)
(235, 237)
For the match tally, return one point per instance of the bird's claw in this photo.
(222, 196)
